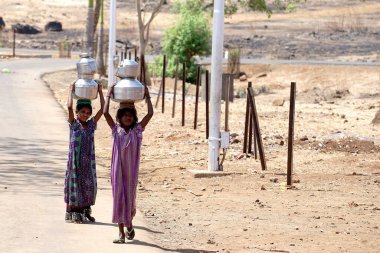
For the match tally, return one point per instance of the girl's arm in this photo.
(106, 113)
(70, 103)
(100, 112)
(147, 117)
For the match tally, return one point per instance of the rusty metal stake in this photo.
(197, 96)
(246, 123)
(291, 134)
(257, 129)
(183, 92)
(175, 87)
(163, 84)
(227, 101)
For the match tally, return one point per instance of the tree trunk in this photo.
(98, 6)
(89, 43)
(99, 53)
(144, 30)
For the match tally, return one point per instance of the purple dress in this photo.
(80, 181)
(124, 172)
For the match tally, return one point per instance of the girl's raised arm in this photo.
(106, 113)
(100, 112)
(149, 115)
(70, 103)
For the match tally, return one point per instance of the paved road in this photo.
(33, 151)
(207, 60)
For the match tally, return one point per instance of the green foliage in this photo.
(257, 5)
(230, 8)
(287, 5)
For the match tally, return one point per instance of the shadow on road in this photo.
(37, 163)
(137, 242)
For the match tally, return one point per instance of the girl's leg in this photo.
(121, 230)
(121, 238)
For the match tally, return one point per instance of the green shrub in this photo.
(190, 36)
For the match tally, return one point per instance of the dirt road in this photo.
(33, 151)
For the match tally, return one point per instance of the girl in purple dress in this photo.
(80, 181)
(127, 137)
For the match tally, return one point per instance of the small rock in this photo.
(353, 204)
(5, 187)
(343, 116)
(296, 181)
(234, 141)
(190, 224)
(278, 102)
(292, 244)
(304, 138)
(244, 229)
(257, 201)
(262, 188)
(273, 179)
(281, 143)
(262, 175)
(345, 121)
(234, 135)
(243, 78)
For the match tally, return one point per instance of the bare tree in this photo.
(143, 7)
(144, 21)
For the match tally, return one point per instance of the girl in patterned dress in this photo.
(80, 181)
(127, 137)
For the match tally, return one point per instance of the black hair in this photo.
(80, 106)
(122, 111)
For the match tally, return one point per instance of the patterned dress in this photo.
(80, 182)
(124, 172)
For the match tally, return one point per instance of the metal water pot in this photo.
(128, 90)
(86, 89)
(86, 67)
(127, 68)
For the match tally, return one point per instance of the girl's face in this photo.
(127, 119)
(83, 114)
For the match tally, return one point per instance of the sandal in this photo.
(120, 240)
(77, 218)
(68, 217)
(131, 233)
(87, 215)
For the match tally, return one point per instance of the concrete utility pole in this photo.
(216, 85)
(111, 42)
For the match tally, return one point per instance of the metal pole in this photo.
(163, 83)
(250, 130)
(197, 96)
(183, 92)
(291, 134)
(227, 101)
(14, 43)
(216, 82)
(246, 124)
(257, 129)
(144, 70)
(175, 87)
(207, 104)
(111, 42)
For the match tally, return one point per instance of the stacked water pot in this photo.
(128, 89)
(86, 87)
